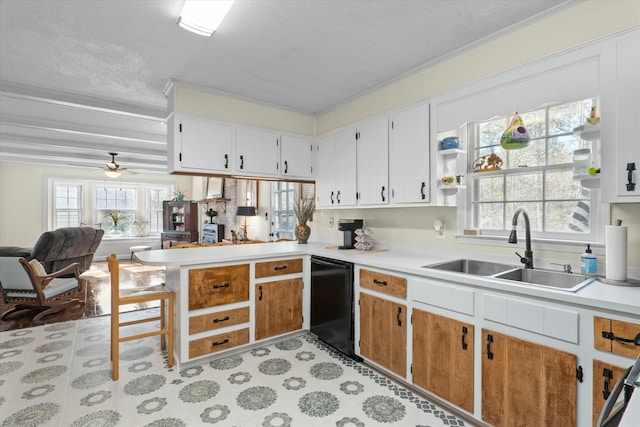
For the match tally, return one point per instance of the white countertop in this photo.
(409, 260)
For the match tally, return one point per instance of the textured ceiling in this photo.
(303, 55)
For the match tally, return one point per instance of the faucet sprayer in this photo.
(527, 259)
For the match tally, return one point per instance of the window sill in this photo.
(556, 245)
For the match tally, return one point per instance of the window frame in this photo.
(54, 202)
(468, 201)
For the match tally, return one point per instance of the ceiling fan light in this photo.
(112, 174)
(203, 17)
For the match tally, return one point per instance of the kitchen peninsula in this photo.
(236, 308)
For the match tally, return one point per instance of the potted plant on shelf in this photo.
(303, 209)
(115, 216)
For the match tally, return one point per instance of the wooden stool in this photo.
(135, 296)
(135, 249)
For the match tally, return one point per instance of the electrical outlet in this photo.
(331, 221)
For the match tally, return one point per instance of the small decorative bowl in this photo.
(449, 143)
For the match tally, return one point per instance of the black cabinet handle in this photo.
(380, 282)
(215, 343)
(226, 285)
(608, 376)
(464, 333)
(382, 193)
(241, 162)
(286, 167)
(611, 336)
(332, 197)
(338, 197)
(221, 320)
(422, 187)
(226, 161)
(630, 168)
(489, 341)
(282, 267)
(398, 316)
(260, 294)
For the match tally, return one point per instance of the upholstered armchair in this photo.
(37, 290)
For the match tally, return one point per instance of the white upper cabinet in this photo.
(373, 162)
(620, 114)
(409, 155)
(345, 168)
(257, 152)
(295, 157)
(325, 172)
(199, 145)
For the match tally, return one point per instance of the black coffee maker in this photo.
(349, 227)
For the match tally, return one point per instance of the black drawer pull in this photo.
(611, 336)
(282, 267)
(608, 376)
(464, 333)
(226, 161)
(424, 196)
(380, 282)
(221, 320)
(332, 197)
(489, 341)
(260, 295)
(241, 162)
(213, 344)
(226, 285)
(398, 316)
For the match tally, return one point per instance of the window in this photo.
(67, 205)
(283, 221)
(155, 197)
(538, 178)
(116, 206)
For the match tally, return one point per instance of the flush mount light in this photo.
(203, 16)
(112, 174)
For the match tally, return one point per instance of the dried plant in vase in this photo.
(303, 209)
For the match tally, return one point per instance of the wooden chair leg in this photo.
(163, 324)
(170, 315)
(115, 346)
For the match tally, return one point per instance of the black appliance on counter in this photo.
(614, 413)
(349, 227)
(332, 309)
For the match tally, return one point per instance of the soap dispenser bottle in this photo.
(589, 262)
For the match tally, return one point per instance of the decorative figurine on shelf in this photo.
(179, 195)
(593, 117)
(516, 136)
(487, 163)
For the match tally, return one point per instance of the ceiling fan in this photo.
(112, 169)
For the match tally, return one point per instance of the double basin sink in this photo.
(537, 277)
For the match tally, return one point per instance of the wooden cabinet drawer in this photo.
(218, 342)
(604, 331)
(221, 319)
(210, 287)
(278, 268)
(382, 282)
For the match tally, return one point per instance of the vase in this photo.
(302, 232)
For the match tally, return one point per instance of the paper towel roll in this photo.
(616, 251)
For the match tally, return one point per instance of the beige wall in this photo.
(568, 28)
(22, 197)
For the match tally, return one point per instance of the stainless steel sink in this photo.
(470, 266)
(551, 279)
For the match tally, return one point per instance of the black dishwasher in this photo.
(332, 310)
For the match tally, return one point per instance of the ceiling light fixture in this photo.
(112, 174)
(203, 17)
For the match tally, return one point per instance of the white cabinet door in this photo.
(257, 152)
(345, 168)
(325, 172)
(409, 155)
(373, 162)
(200, 145)
(626, 152)
(296, 157)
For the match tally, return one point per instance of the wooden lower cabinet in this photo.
(219, 342)
(220, 319)
(605, 377)
(383, 333)
(526, 384)
(214, 286)
(442, 359)
(278, 307)
(615, 336)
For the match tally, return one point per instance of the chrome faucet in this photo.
(527, 259)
